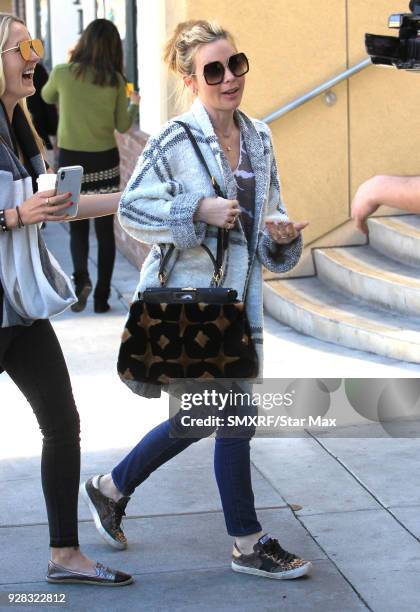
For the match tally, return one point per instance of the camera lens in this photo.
(63, 174)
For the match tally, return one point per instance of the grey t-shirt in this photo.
(245, 181)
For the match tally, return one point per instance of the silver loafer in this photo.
(104, 576)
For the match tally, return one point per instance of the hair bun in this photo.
(188, 36)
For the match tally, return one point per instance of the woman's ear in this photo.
(189, 82)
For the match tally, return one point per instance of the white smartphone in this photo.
(69, 179)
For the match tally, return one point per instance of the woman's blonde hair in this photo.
(6, 21)
(181, 48)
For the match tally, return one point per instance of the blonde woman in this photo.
(170, 199)
(32, 288)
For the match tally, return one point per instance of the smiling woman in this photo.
(17, 70)
(170, 202)
(32, 288)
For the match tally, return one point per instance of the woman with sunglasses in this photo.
(169, 199)
(91, 93)
(32, 288)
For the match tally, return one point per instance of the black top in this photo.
(1, 306)
(245, 181)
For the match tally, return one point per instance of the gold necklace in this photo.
(228, 147)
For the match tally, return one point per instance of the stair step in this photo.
(397, 237)
(312, 308)
(364, 273)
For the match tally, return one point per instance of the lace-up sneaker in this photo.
(270, 560)
(106, 513)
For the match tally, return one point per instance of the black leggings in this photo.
(34, 361)
(79, 246)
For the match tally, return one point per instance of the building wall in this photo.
(6, 6)
(384, 113)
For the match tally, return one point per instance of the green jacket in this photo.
(89, 113)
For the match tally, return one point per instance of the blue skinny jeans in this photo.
(232, 467)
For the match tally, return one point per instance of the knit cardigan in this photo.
(163, 194)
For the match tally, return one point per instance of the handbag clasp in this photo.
(217, 276)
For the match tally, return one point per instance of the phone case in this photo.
(69, 179)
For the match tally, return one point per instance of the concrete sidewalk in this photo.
(359, 520)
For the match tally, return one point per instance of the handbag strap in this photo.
(222, 234)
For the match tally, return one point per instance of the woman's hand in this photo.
(364, 204)
(218, 211)
(43, 206)
(284, 232)
(135, 98)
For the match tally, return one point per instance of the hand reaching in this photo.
(284, 232)
(363, 206)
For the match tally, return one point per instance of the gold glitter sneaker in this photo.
(106, 512)
(270, 561)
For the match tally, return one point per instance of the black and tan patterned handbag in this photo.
(199, 333)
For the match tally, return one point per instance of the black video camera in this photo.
(402, 52)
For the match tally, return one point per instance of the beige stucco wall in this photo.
(384, 103)
(323, 151)
(6, 6)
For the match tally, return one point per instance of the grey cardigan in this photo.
(160, 200)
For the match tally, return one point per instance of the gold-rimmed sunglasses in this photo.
(25, 48)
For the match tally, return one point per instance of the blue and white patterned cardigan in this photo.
(164, 192)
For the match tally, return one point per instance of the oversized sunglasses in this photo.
(214, 72)
(26, 46)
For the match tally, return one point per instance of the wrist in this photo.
(198, 216)
(11, 218)
(376, 188)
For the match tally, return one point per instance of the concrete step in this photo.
(313, 308)
(366, 274)
(397, 237)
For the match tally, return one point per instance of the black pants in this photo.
(79, 245)
(33, 359)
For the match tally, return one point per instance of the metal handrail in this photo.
(317, 91)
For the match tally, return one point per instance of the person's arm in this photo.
(154, 207)
(125, 112)
(49, 93)
(401, 192)
(42, 206)
(36, 210)
(97, 205)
